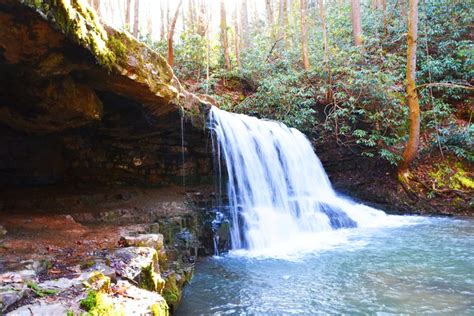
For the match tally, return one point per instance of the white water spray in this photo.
(277, 188)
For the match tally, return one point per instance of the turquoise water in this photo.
(424, 265)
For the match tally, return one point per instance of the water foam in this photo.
(281, 200)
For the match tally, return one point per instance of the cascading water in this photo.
(277, 188)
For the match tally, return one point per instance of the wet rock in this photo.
(154, 241)
(337, 217)
(176, 279)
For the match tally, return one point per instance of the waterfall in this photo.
(276, 185)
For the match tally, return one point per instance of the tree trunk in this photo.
(401, 3)
(411, 148)
(201, 21)
(326, 49)
(136, 18)
(128, 9)
(96, 5)
(304, 36)
(283, 19)
(236, 37)
(149, 20)
(168, 16)
(356, 24)
(244, 19)
(162, 22)
(192, 15)
(183, 18)
(224, 39)
(384, 12)
(269, 10)
(171, 33)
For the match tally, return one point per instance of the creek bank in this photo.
(153, 253)
(374, 182)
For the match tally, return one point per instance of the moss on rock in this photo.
(97, 303)
(78, 21)
(150, 280)
(452, 176)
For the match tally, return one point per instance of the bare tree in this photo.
(136, 18)
(329, 95)
(192, 15)
(304, 35)
(128, 9)
(183, 14)
(244, 21)
(201, 21)
(269, 10)
(162, 22)
(236, 37)
(224, 39)
(171, 34)
(283, 19)
(96, 5)
(149, 19)
(356, 24)
(411, 148)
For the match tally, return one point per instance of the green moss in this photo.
(87, 264)
(171, 292)
(99, 304)
(170, 297)
(160, 309)
(77, 20)
(117, 46)
(39, 291)
(150, 280)
(449, 176)
(466, 182)
(90, 302)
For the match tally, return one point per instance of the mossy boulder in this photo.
(140, 265)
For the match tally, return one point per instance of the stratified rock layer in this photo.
(83, 102)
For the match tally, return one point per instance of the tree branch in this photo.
(444, 84)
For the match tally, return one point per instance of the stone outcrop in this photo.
(65, 56)
(97, 133)
(83, 102)
(125, 267)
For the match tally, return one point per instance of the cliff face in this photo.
(91, 123)
(80, 101)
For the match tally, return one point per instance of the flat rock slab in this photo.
(40, 309)
(154, 241)
(129, 262)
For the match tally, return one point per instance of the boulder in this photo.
(139, 265)
(10, 294)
